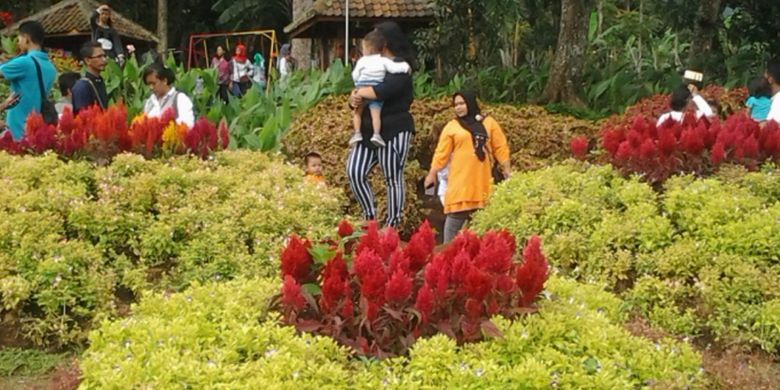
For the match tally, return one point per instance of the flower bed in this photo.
(225, 336)
(101, 134)
(391, 296)
(698, 147)
(76, 240)
(700, 260)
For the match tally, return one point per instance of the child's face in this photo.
(368, 49)
(314, 166)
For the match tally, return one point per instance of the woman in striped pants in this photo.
(396, 92)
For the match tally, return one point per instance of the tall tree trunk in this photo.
(704, 31)
(566, 72)
(162, 25)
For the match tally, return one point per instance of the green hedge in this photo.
(224, 336)
(700, 259)
(76, 239)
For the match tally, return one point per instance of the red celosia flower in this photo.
(66, 121)
(624, 151)
(437, 274)
(477, 283)
(717, 154)
(611, 140)
(38, 135)
(388, 242)
(366, 262)
(399, 287)
(424, 301)
(750, 146)
(461, 265)
(372, 285)
(509, 239)
(399, 262)
(335, 266)
(332, 292)
(532, 273)
(372, 311)
(420, 246)
(296, 260)
(347, 310)
(492, 307)
(579, 147)
(473, 308)
(8, 144)
(691, 141)
(370, 240)
(666, 141)
(345, 229)
(505, 284)
(647, 150)
(634, 138)
(224, 134)
(495, 254)
(201, 139)
(291, 294)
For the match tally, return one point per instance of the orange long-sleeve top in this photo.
(469, 180)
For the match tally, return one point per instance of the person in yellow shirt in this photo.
(468, 146)
(313, 166)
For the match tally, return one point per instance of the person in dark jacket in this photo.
(104, 33)
(397, 93)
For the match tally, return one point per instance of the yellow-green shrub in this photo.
(72, 234)
(223, 336)
(700, 258)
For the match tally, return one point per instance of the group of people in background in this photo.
(31, 75)
(763, 103)
(237, 74)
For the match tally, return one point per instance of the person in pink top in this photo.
(222, 65)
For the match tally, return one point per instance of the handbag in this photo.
(495, 169)
(48, 110)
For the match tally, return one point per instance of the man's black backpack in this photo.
(48, 111)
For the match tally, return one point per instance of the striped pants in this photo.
(391, 159)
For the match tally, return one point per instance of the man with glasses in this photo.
(91, 90)
(27, 72)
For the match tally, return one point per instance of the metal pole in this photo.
(346, 32)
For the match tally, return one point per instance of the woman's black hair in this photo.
(470, 122)
(161, 72)
(759, 87)
(397, 42)
(680, 98)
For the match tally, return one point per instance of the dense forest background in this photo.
(599, 54)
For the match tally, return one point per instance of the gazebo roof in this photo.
(333, 10)
(71, 17)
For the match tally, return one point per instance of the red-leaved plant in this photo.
(691, 146)
(382, 296)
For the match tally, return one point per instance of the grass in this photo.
(28, 362)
